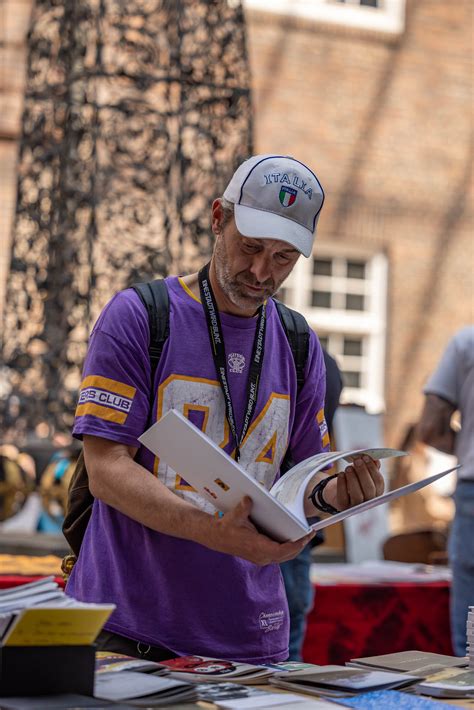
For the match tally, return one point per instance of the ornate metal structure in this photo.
(135, 116)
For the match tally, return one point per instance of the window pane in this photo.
(321, 299)
(356, 269)
(351, 379)
(322, 267)
(352, 346)
(370, 3)
(354, 302)
(324, 340)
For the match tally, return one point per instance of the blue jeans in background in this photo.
(300, 594)
(461, 558)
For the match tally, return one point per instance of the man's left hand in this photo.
(359, 482)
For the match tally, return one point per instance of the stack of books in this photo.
(470, 636)
(227, 684)
(440, 676)
(35, 614)
(450, 683)
(420, 663)
(139, 689)
(47, 638)
(14, 599)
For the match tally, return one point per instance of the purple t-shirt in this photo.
(169, 591)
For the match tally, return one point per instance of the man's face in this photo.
(250, 270)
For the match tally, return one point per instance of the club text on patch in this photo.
(106, 399)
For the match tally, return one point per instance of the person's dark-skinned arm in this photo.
(118, 480)
(434, 427)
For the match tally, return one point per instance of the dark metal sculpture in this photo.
(136, 113)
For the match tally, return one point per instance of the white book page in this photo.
(25, 594)
(26, 602)
(23, 589)
(217, 477)
(385, 498)
(290, 488)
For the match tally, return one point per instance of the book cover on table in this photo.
(336, 680)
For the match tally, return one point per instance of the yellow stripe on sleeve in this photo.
(96, 410)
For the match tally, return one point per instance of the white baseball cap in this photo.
(276, 197)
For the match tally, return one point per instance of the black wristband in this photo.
(316, 496)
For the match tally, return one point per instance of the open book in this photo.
(223, 482)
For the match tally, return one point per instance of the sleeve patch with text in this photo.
(105, 398)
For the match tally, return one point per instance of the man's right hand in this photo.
(235, 534)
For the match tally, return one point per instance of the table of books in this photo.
(48, 639)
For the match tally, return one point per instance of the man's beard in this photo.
(234, 286)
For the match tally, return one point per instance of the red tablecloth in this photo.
(355, 620)
(14, 580)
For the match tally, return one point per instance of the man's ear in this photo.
(217, 216)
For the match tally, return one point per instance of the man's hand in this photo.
(236, 535)
(359, 482)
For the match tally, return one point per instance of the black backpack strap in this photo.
(155, 298)
(297, 332)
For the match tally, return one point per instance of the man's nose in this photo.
(261, 267)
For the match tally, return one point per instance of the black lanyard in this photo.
(216, 337)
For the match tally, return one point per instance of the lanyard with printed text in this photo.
(216, 337)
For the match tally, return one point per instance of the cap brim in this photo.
(259, 224)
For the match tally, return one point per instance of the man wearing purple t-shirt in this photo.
(184, 579)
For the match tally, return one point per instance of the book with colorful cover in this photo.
(203, 669)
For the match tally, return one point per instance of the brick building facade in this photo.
(384, 119)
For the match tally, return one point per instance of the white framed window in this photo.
(343, 297)
(386, 16)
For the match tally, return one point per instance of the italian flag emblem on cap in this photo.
(287, 195)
